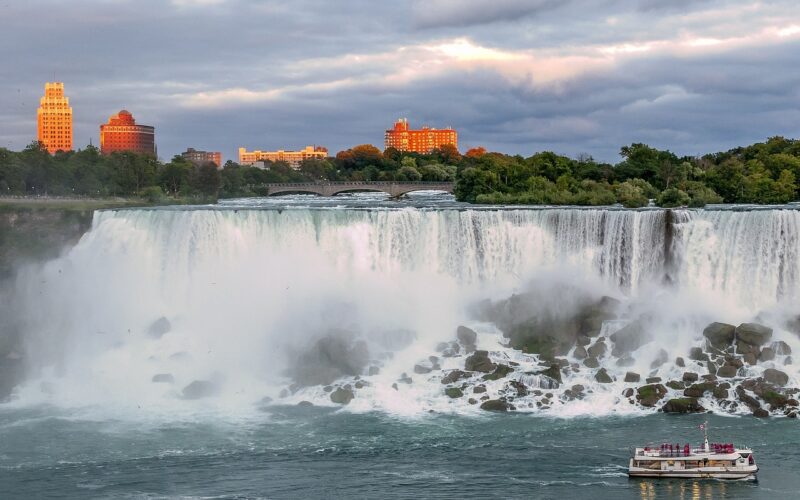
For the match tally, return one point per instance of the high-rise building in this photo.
(55, 119)
(200, 157)
(121, 133)
(423, 141)
(293, 158)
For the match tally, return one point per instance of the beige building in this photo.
(293, 158)
(55, 119)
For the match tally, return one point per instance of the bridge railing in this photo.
(359, 183)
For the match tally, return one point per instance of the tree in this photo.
(475, 152)
(408, 173)
(174, 177)
(673, 197)
(206, 179)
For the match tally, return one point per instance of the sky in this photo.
(576, 77)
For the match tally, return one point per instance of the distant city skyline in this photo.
(513, 76)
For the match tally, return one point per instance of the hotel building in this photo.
(293, 158)
(200, 157)
(423, 141)
(55, 119)
(121, 133)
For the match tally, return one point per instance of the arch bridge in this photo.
(393, 189)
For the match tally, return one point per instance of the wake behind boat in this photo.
(709, 461)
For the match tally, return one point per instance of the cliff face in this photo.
(29, 234)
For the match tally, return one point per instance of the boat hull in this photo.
(750, 475)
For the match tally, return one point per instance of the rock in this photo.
(330, 358)
(373, 370)
(720, 335)
(661, 358)
(520, 388)
(745, 348)
(598, 349)
(748, 400)
(690, 377)
(453, 392)
(479, 362)
(496, 405)
(582, 340)
(753, 333)
(163, 378)
(441, 346)
(734, 361)
(653, 380)
(478, 389)
(578, 389)
(760, 413)
(697, 354)
(767, 354)
(472, 401)
(554, 372)
(630, 338)
(591, 363)
(776, 377)
(434, 360)
(421, 369)
(720, 393)
(394, 386)
(632, 377)
(649, 395)
(454, 376)
(628, 393)
(626, 361)
(682, 405)
(405, 379)
(787, 361)
(676, 385)
(727, 371)
(781, 348)
(602, 376)
(500, 372)
(466, 336)
(750, 358)
(305, 404)
(698, 390)
(680, 362)
(775, 399)
(159, 328)
(342, 396)
(580, 353)
(200, 389)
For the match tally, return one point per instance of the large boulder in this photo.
(682, 405)
(697, 354)
(342, 396)
(554, 372)
(753, 333)
(632, 377)
(580, 352)
(591, 363)
(776, 377)
(602, 376)
(330, 358)
(163, 378)
(598, 349)
(781, 348)
(496, 405)
(159, 328)
(649, 395)
(200, 389)
(454, 376)
(630, 338)
(467, 336)
(727, 371)
(453, 392)
(479, 362)
(720, 335)
(501, 371)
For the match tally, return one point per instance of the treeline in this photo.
(763, 173)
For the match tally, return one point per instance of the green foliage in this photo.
(673, 197)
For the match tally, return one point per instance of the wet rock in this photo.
(466, 336)
(598, 349)
(163, 378)
(698, 390)
(650, 395)
(628, 393)
(697, 354)
(753, 333)
(727, 371)
(721, 393)
(583, 340)
(787, 361)
(496, 405)
(690, 377)
(776, 377)
(580, 353)
(518, 387)
(405, 379)
(472, 401)
(767, 354)
(501, 371)
(305, 404)
(626, 361)
(554, 372)
(159, 328)
(760, 413)
(682, 405)
(330, 358)
(653, 380)
(342, 396)
(680, 362)
(591, 363)
(676, 385)
(781, 348)
(661, 358)
(421, 369)
(479, 362)
(748, 400)
(441, 346)
(454, 376)
(453, 392)
(630, 338)
(720, 335)
(774, 399)
(603, 377)
(632, 377)
(750, 358)
(394, 386)
(709, 377)
(373, 370)
(479, 389)
(200, 389)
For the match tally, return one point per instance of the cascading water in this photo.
(248, 291)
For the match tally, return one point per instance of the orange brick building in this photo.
(423, 141)
(121, 133)
(200, 157)
(54, 118)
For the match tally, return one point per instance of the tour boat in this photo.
(709, 461)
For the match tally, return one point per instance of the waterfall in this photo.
(246, 290)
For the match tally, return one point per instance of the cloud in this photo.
(463, 13)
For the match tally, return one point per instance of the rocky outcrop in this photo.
(554, 372)
(159, 328)
(479, 362)
(342, 395)
(720, 335)
(753, 334)
(466, 336)
(501, 371)
(602, 376)
(454, 376)
(330, 358)
(200, 389)
(630, 338)
(776, 377)
(650, 395)
(682, 405)
(453, 392)
(632, 377)
(496, 405)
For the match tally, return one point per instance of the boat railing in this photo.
(685, 451)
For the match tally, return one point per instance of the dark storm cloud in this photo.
(516, 76)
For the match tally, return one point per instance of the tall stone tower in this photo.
(55, 119)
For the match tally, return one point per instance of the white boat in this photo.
(709, 461)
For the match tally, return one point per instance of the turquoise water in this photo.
(296, 452)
